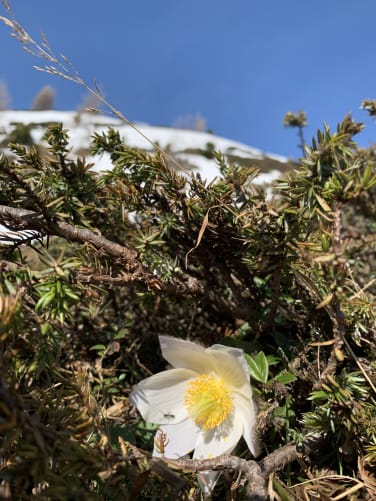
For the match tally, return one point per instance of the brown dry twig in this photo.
(61, 66)
(255, 472)
(23, 219)
(134, 272)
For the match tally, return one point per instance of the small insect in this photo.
(161, 441)
(168, 415)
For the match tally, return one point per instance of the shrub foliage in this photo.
(104, 262)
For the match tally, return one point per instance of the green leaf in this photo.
(121, 334)
(71, 294)
(285, 377)
(273, 359)
(318, 395)
(284, 494)
(323, 203)
(45, 301)
(98, 347)
(259, 366)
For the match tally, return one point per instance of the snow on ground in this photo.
(68, 118)
(182, 143)
(185, 145)
(182, 139)
(81, 127)
(86, 123)
(207, 168)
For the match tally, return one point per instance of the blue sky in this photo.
(241, 64)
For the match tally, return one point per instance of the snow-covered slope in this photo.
(191, 148)
(187, 146)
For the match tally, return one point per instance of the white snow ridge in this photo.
(190, 147)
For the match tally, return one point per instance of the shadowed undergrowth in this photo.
(118, 258)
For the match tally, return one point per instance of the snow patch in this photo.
(185, 145)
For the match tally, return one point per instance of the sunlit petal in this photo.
(221, 440)
(204, 404)
(228, 367)
(237, 353)
(207, 480)
(180, 353)
(159, 398)
(181, 439)
(246, 414)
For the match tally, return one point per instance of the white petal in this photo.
(247, 414)
(229, 368)
(216, 443)
(207, 481)
(159, 398)
(181, 439)
(180, 353)
(245, 391)
(220, 440)
(236, 353)
(227, 362)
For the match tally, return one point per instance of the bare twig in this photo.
(182, 285)
(62, 67)
(23, 219)
(256, 472)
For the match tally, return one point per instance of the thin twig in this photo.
(256, 472)
(62, 67)
(182, 285)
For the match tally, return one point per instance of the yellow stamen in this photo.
(208, 401)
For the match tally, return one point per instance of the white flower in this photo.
(203, 404)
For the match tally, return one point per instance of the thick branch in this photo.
(22, 219)
(182, 285)
(256, 472)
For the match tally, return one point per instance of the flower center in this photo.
(208, 401)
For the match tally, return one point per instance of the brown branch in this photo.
(337, 230)
(182, 285)
(334, 309)
(22, 219)
(256, 472)
(18, 180)
(257, 481)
